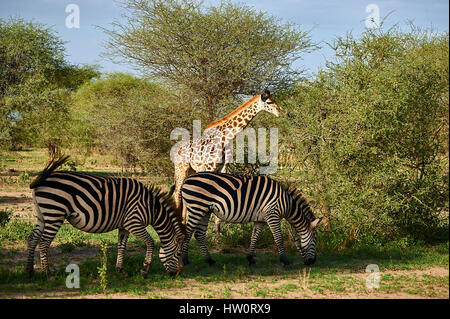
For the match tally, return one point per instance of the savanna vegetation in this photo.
(365, 139)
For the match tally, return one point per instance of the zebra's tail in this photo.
(50, 168)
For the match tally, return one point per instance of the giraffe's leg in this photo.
(257, 228)
(200, 236)
(121, 247)
(51, 227)
(140, 232)
(274, 222)
(181, 172)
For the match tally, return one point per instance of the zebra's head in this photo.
(306, 241)
(169, 254)
(268, 104)
(171, 233)
(305, 223)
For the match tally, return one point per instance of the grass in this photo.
(333, 274)
(19, 168)
(405, 267)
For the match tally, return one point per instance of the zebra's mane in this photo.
(168, 200)
(300, 199)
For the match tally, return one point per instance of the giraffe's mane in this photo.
(233, 113)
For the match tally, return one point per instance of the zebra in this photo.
(244, 199)
(97, 204)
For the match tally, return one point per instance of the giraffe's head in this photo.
(268, 104)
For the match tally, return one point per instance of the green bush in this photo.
(129, 118)
(5, 216)
(370, 133)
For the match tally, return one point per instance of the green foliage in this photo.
(103, 269)
(370, 135)
(215, 51)
(129, 118)
(5, 216)
(15, 231)
(34, 84)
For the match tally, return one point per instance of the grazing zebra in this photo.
(97, 204)
(243, 199)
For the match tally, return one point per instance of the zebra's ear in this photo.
(316, 222)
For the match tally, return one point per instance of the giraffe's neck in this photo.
(233, 123)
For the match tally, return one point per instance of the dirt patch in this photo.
(20, 203)
(248, 288)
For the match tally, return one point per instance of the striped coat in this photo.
(97, 204)
(244, 199)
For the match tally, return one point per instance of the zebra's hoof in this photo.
(288, 267)
(251, 260)
(185, 261)
(144, 273)
(122, 272)
(211, 261)
(49, 276)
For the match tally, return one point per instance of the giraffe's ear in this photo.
(265, 95)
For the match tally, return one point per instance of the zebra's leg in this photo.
(298, 243)
(185, 246)
(122, 245)
(33, 240)
(217, 220)
(191, 228)
(257, 228)
(51, 227)
(200, 236)
(274, 222)
(141, 233)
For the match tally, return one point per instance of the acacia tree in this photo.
(34, 83)
(129, 118)
(217, 52)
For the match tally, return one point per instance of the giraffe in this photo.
(205, 154)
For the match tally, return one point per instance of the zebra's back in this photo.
(235, 199)
(91, 203)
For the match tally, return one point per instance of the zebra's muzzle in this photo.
(175, 273)
(310, 261)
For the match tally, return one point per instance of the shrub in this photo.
(370, 134)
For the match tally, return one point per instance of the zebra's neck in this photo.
(298, 214)
(158, 203)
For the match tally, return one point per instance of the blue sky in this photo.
(326, 20)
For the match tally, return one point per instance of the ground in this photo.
(420, 271)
